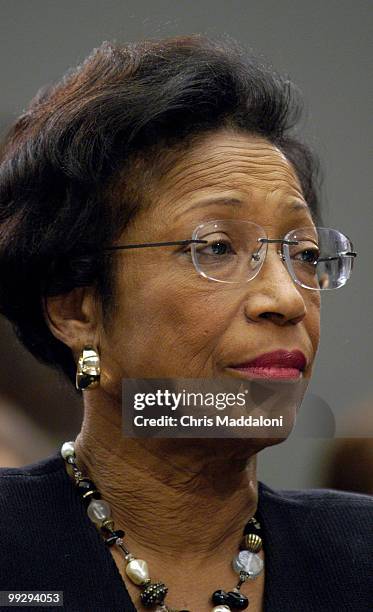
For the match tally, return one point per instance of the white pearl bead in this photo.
(221, 608)
(68, 450)
(137, 570)
(98, 510)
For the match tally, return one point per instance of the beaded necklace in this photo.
(247, 563)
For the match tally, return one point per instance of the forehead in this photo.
(229, 162)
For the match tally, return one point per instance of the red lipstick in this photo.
(280, 364)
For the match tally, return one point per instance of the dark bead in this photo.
(85, 485)
(252, 526)
(114, 536)
(87, 490)
(219, 597)
(154, 593)
(237, 600)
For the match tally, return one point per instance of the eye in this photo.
(309, 256)
(218, 247)
(215, 246)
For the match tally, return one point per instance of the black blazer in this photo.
(318, 546)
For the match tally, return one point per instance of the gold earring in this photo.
(88, 369)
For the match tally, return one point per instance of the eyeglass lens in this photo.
(233, 253)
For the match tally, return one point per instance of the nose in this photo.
(273, 294)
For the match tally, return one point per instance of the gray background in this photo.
(324, 46)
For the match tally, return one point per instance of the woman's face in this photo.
(170, 321)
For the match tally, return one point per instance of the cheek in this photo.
(169, 329)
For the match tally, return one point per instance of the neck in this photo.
(164, 492)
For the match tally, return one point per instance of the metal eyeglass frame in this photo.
(195, 241)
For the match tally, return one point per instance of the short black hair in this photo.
(66, 155)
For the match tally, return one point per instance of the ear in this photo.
(74, 317)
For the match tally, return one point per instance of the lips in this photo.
(276, 359)
(277, 365)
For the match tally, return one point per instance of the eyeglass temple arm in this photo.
(186, 242)
(152, 244)
(342, 254)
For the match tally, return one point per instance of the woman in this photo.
(184, 141)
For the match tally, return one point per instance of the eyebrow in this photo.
(211, 200)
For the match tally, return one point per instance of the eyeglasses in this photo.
(233, 251)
